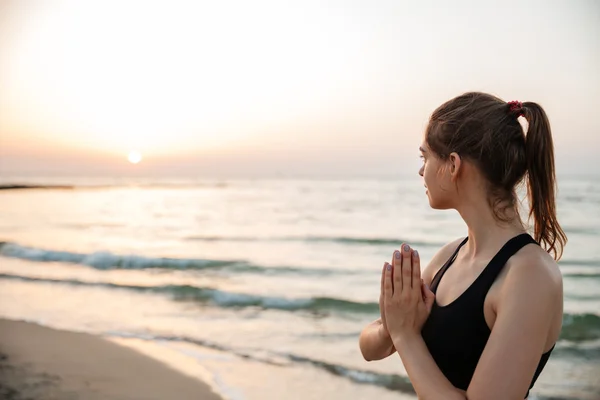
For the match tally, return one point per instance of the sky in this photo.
(279, 88)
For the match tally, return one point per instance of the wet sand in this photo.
(42, 364)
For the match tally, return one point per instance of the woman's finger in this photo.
(406, 268)
(383, 277)
(387, 284)
(416, 272)
(397, 272)
(429, 297)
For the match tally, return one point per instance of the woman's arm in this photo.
(375, 342)
(530, 297)
(531, 292)
(424, 374)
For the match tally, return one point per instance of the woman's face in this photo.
(436, 177)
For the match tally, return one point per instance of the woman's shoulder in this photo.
(533, 264)
(530, 291)
(439, 258)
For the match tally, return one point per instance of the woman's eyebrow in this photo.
(422, 150)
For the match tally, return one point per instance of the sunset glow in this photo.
(134, 157)
(275, 85)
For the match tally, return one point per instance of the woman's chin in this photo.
(436, 205)
(429, 199)
(432, 203)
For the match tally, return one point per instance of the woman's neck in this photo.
(486, 233)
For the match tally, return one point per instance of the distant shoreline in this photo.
(21, 187)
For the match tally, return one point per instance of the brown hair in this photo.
(485, 130)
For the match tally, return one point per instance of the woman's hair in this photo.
(485, 130)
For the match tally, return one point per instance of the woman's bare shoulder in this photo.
(439, 258)
(534, 264)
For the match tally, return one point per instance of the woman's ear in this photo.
(455, 164)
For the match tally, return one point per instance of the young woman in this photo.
(480, 321)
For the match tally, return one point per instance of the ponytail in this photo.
(541, 180)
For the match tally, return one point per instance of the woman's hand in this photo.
(407, 301)
(383, 327)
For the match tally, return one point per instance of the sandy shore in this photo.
(40, 363)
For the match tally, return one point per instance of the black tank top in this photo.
(456, 334)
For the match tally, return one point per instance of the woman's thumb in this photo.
(429, 297)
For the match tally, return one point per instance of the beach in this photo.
(40, 363)
(256, 289)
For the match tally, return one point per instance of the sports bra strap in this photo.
(438, 275)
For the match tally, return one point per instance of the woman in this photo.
(481, 320)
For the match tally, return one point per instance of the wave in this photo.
(282, 359)
(389, 381)
(582, 297)
(576, 327)
(575, 198)
(580, 327)
(585, 263)
(225, 299)
(107, 260)
(587, 351)
(581, 230)
(582, 274)
(316, 239)
(104, 260)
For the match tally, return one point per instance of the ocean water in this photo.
(265, 284)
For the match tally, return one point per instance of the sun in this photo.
(134, 157)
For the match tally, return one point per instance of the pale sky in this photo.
(271, 87)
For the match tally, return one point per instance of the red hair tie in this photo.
(516, 107)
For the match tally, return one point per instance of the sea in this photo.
(260, 287)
